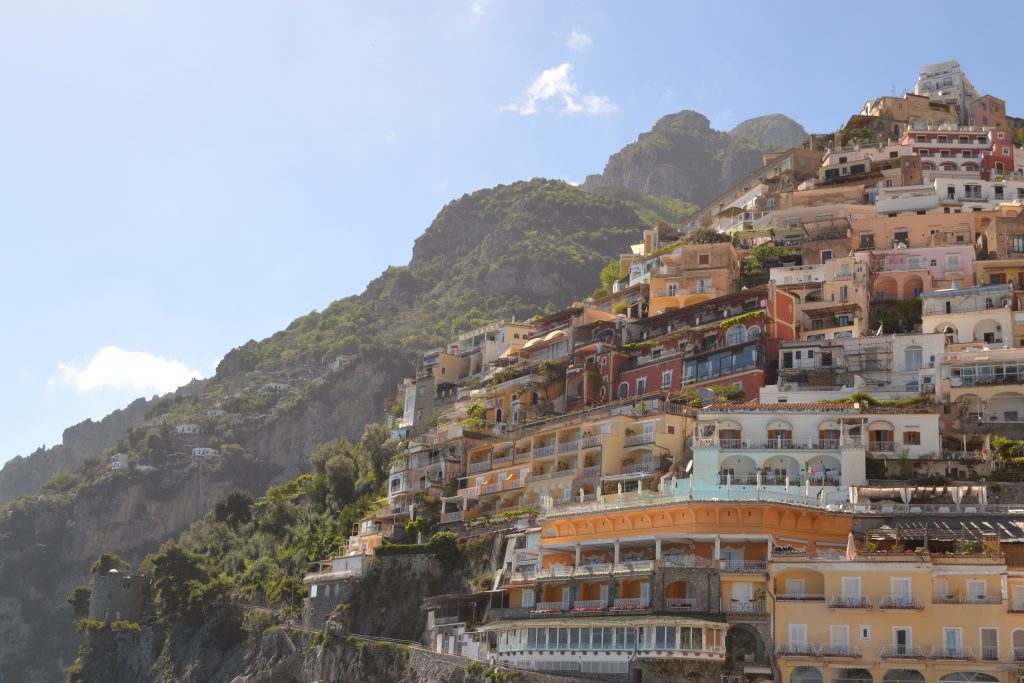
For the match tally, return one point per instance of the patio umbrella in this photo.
(853, 495)
(807, 487)
(581, 495)
(983, 495)
(851, 547)
(906, 494)
(958, 495)
(691, 486)
(787, 484)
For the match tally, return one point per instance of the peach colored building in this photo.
(918, 230)
(907, 273)
(693, 273)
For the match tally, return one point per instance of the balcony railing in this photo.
(901, 652)
(510, 484)
(591, 472)
(900, 602)
(843, 602)
(743, 607)
(772, 444)
(1018, 654)
(882, 446)
(470, 492)
(796, 650)
(681, 603)
(840, 650)
(990, 653)
(1015, 606)
(952, 652)
(626, 604)
(490, 488)
(501, 462)
(449, 517)
(589, 605)
(638, 468)
(543, 452)
(634, 567)
(559, 606)
(591, 441)
(571, 472)
(569, 447)
(801, 597)
(599, 569)
(475, 467)
(638, 439)
(743, 566)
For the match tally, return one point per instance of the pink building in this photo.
(908, 273)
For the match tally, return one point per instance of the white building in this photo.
(977, 314)
(216, 412)
(275, 386)
(946, 83)
(119, 462)
(188, 429)
(205, 452)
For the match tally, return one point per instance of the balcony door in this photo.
(732, 559)
(839, 638)
(953, 642)
(901, 595)
(976, 591)
(795, 587)
(902, 642)
(851, 590)
(990, 644)
(1017, 604)
(604, 594)
(742, 597)
(797, 637)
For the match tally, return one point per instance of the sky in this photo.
(177, 178)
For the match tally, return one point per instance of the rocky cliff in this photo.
(683, 157)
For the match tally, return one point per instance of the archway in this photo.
(806, 674)
(744, 644)
(885, 289)
(973, 676)
(903, 676)
(913, 287)
(853, 676)
(989, 331)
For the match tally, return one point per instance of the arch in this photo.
(825, 466)
(913, 287)
(814, 295)
(885, 288)
(988, 330)
(739, 464)
(903, 676)
(778, 467)
(677, 590)
(753, 332)
(623, 391)
(913, 357)
(926, 166)
(744, 644)
(853, 676)
(498, 414)
(735, 335)
(948, 329)
(880, 425)
(806, 674)
(969, 167)
(975, 676)
(780, 425)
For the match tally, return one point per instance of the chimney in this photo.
(837, 140)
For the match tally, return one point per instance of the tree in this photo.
(611, 274)
(375, 450)
(234, 509)
(79, 601)
(107, 561)
(705, 236)
(179, 576)
(729, 392)
(1018, 137)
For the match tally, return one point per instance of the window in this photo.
(867, 241)
(826, 358)
(989, 644)
(623, 390)
(528, 598)
(826, 255)
(839, 637)
(912, 358)
(953, 642)
(911, 438)
(666, 379)
(952, 261)
(703, 259)
(976, 591)
(795, 587)
(641, 386)
(865, 632)
(1017, 244)
(797, 636)
(902, 641)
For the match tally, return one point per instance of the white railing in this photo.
(448, 517)
(681, 603)
(590, 605)
(559, 606)
(637, 439)
(543, 452)
(638, 468)
(490, 488)
(570, 447)
(634, 567)
(796, 650)
(743, 566)
(901, 652)
(951, 652)
(1015, 605)
(591, 441)
(504, 460)
(743, 606)
(843, 602)
(630, 603)
(900, 602)
(478, 467)
(510, 484)
(590, 472)
(470, 492)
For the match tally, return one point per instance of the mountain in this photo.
(682, 157)
(513, 250)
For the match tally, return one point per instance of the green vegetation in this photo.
(765, 256)
(857, 136)
(79, 601)
(107, 561)
(257, 621)
(705, 236)
(897, 316)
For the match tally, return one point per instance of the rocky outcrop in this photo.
(684, 158)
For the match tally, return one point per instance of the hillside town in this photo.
(770, 448)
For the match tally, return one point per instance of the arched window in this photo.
(753, 332)
(735, 335)
(973, 676)
(623, 389)
(805, 674)
(912, 357)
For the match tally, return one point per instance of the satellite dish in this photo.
(689, 467)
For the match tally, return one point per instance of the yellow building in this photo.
(896, 617)
(693, 273)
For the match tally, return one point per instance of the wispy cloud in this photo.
(476, 7)
(115, 368)
(578, 40)
(555, 85)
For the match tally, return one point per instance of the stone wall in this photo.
(329, 595)
(118, 597)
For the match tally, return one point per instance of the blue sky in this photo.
(180, 177)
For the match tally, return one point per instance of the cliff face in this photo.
(23, 475)
(684, 158)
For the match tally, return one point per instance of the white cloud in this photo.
(476, 7)
(578, 40)
(115, 368)
(390, 136)
(556, 84)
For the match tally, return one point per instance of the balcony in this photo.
(470, 492)
(638, 439)
(570, 472)
(592, 472)
(900, 602)
(957, 599)
(639, 468)
(510, 484)
(843, 602)
(901, 652)
(630, 604)
(635, 567)
(990, 653)
(475, 467)
(681, 604)
(1018, 654)
(568, 447)
(882, 446)
(591, 441)
(749, 607)
(490, 488)
(600, 569)
(743, 566)
(450, 517)
(543, 452)
(952, 652)
(796, 650)
(551, 607)
(844, 651)
(773, 444)
(800, 597)
(589, 605)
(502, 462)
